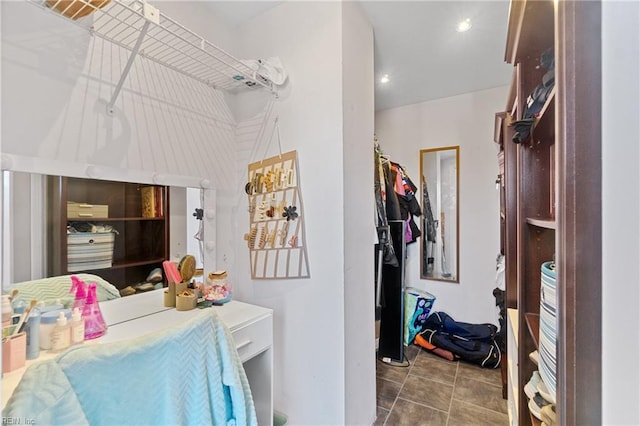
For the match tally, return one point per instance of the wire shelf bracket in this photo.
(145, 31)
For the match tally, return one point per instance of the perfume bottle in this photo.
(94, 325)
(78, 287)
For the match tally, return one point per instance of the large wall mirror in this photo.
(27, 250)
(439, 169)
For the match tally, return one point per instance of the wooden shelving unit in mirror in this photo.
(117, 230)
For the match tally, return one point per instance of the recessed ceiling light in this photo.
(464, 25)
(384, 79)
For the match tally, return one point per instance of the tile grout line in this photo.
(453, 390)
(399, 390)
(483, 407)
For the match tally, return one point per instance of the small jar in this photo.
(217, 288)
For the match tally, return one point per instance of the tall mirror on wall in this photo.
(439, 170)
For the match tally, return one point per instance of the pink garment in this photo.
(408, 235)
(399, 186)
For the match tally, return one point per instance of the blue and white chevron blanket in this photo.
(188, 374)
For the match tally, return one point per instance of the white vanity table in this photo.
(251, 327)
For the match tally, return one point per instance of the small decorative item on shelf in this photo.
(187, 268)
(216, 288)
(186, 300)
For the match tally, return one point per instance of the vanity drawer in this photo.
(253, 338)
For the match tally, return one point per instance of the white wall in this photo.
(467, 121)
(358, 118)
(620, 213)
(57, 79)
(309, 363)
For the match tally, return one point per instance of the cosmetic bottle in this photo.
(79, 288)
(61, 334)
(77, 327)
(7, 310)
(94, 325)
(33, 334)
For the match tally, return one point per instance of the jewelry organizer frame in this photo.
(277, 245)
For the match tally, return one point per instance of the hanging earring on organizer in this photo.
(283, 233)
(250, 237)
(269, 180)
(263, 237)
(271, 238)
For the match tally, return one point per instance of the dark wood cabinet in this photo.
(141, 240)
(547, 212)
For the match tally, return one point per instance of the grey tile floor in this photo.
(434, 391)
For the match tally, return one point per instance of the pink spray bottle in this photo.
(80, 288)
(94, 325)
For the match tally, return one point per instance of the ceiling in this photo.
(417, 45)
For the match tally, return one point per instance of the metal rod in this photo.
(127, 67)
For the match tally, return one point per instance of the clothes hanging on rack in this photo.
(395, 196)
(381, 191)
(396, 205)
(408, 205)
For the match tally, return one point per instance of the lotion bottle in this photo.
(61, 334)
(77, 327)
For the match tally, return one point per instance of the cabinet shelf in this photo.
(543, 126)
(530, 29)
(512, 314)
(128, 264)
(141, 243)
(542, 223)
(112, 219)
(533, 325)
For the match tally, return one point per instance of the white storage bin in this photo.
(90, 250)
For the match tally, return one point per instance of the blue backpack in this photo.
(474, 343)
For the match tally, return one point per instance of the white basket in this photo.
(90, 250)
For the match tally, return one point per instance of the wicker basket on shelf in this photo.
(76, 9)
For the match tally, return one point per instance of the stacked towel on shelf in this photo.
(548, 328)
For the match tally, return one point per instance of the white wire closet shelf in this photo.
(140, 27)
